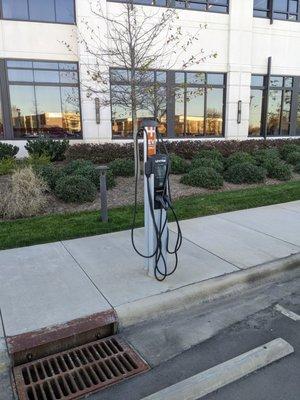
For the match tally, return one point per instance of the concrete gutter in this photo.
(205, 291)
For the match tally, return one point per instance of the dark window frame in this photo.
(268, 88)
(271, 12)
(172, 4)
(39, 21)
(5, 93)
(171, 86)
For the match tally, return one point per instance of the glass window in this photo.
(23, 111)
(256, 99)
(62, 11)
(15, 9)
(214, 112)
(191, 105)
(219, 6)
(298, 116)
(279, 105)
(41, 10)
(195, 111)
(1, 121)
(46, 105)
(282, 9)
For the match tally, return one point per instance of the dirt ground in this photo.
(123, 193)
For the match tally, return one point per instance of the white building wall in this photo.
(243, 45)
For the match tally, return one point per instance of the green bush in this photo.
(212, 154)
(245, 173)
(208, 163)
(293, 157)
(122, 167)
(263, 156)
(50, 174)
(75, 189)
(83, 168)
(55, 149)
(7, 165)
(240, 157)
(297, 168)
(110, 180)
(203, 177)
(178, 165)
(8, 150)
(278, 169)
(288, 148)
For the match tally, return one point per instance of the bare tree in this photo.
(135, 40)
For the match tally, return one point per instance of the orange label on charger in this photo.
(151, 134)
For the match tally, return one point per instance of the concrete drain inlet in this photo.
(78, 371)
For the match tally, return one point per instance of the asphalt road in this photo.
(278, 381)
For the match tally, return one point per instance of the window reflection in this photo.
(195, 111)
(1, 120)
(274, 113)
(255, 128)
(39, 10)
(214, 112)
(44, 107)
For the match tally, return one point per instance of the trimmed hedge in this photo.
(211, 154)
(198, 162)
(297, 168)
(240, 157)
(122, 167)
(54, 149)
(178, 165)
(203, 177)
(50, 174)
(188, 149)
(289, 148)
(245, 173)
(293, 157)
(8, 150)
(278, 169)
(75, 189)
(83, 168)
(266, 155)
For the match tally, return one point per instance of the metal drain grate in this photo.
(78, 371)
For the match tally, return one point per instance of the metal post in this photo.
(103, 193)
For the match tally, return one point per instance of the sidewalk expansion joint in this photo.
(86, 274)
(210, 252)
(258, 231)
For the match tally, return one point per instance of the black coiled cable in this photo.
(160, 275)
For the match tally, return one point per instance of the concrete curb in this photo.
(221, 375)
(211, 289)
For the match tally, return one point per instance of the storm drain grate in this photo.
(78, 371)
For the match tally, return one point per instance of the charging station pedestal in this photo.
(160, 214)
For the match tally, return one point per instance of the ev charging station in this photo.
(157, 202)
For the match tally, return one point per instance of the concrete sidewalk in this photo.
(49, 285)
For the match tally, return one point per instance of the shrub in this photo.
(26, 196)
(289, 148)
(75, 189)
(293, 157)
(50, 174)
(212, 154)
(55, 149)
(122, 167)
(83, 168)
(187, 149)
(198, 162)
(8, 150)
(245, 173)
(297, 168)
(203, 177)
(7, 165)
(263, 156)
(178, 165)
(110, 180)
(239, 157)
(277, 169)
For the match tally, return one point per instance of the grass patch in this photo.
(55, 227)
